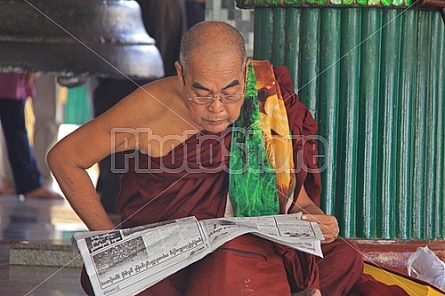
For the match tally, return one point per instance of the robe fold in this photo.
(193, 180)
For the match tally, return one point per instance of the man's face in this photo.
(213, 92)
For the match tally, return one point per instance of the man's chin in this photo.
(216, 126)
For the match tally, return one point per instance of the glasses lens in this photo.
(225, 99)
(201, 100)
(228, 99)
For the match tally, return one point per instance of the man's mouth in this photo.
(216, 119)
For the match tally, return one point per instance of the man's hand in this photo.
(328, 225)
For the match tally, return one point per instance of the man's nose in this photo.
(216, 105)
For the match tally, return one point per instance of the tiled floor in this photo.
(49, 223)
(16, 280)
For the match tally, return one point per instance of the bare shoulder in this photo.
(148, 103)
(160, 92)
(136, 122)
(153, 99)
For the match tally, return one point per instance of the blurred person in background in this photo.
(195, 11)
(48, 112)
(15, 88)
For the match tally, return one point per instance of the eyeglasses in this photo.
(225, 99)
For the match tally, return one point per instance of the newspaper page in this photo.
(128, 261)
(287, 229)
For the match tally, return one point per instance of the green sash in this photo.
(261, 159)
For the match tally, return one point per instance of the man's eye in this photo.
(202, 99)
(234, 97)
(231, 97)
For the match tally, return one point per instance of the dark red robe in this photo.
(194, 181)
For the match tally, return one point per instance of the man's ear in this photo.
(179, 73)
(246, 67)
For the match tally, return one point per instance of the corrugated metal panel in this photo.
(406, 134)
(348, 108)
(374, 80)
(368, 137)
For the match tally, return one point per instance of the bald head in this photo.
(210, 39)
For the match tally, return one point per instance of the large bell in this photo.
(74, 39)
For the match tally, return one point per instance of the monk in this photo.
(177, 133)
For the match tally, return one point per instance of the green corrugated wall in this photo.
(374, 79)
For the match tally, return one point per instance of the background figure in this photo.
(48, 112)
(14, 89)
(165, 21)
(6, 180)
(195, 10)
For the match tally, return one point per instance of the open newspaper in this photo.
(128, 261)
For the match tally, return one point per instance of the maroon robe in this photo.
(194, 181)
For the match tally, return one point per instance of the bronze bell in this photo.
(74, 39)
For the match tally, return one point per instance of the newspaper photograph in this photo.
(128, 261)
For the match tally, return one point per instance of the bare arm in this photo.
(311, 212)
(68, 160)
(90, 143)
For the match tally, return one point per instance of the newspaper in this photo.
(128, 261)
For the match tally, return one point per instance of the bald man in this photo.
(176, 132)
